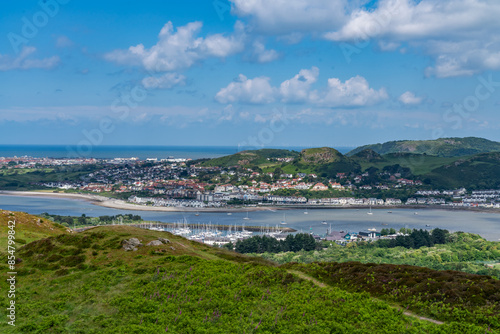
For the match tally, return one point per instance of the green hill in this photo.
(251, 158)
(88, 283)
(480, 171)
(438, 165)
(368, 155)
(26, 227)
(325, 161)
(321, 155)
(443, 147)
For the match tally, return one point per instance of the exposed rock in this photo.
(165, 241)
(172, 248)
(154, 243)
(131, 244)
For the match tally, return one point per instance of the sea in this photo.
(486, 224)
(141, 152)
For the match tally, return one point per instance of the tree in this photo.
(439, 236)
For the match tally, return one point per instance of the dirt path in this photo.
(309, 278)
(323, 285)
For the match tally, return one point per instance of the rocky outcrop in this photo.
(154, 243)
(131, 244)
(165, 241)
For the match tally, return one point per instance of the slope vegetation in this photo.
(250, 158)
(27, 227)
(443, 147)
(88, 283)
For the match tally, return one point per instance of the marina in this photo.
(486, 224)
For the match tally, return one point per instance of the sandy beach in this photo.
(122, 205)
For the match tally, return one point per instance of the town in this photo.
(176, 182)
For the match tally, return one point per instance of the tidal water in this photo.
(352, 220)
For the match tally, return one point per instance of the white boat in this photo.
(415, 213)
(229, 213)
(370, 212)
(305, 212)
(372, 229)
(324, 222)
(283, 222)
(246, 218)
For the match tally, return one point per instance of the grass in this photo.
(28, 228)
(20, 171)
(87, 283)
(418, 164)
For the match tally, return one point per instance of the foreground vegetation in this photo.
(87, 283)
(443, 295)
(463, 251)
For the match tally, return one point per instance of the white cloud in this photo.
(288, 16)
(180, 49)
(260, 119)
(262, 55)
(63, 42)
(298, 88)
(166, 81)
(24, 62)
(355, 92)
(462, 35)
(410, 98)
(244, 90)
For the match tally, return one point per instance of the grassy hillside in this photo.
(481, 171)
(443, 147)
(24, 179)
(325, 161)
(87, 283)
(250, 158)
(321, 155)
(27, 227)
(419, 164)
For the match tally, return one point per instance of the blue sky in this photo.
(248, 72)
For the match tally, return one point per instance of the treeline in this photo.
(292, 243)
(416, 239)
(70, 221)
(124, 217)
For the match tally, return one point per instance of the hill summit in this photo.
(443, 147)
(320, 155)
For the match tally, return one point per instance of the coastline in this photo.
(122, 205)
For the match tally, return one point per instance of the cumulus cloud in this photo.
(409, 98)
(24, 62)
(287, 16)
(297, 89)
(460, 34)
(180, 49)
(354, 92)
(166, 81)
(263, 55)
(244, 90)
